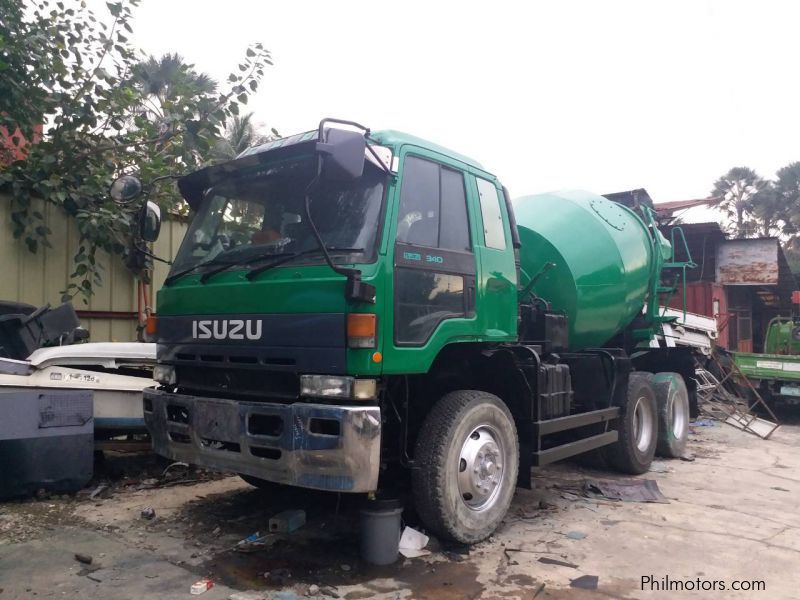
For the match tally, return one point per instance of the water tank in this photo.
(603, 255)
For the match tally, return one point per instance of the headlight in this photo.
(333, 386)
(164, 374)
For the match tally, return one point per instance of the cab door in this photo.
(434, 265)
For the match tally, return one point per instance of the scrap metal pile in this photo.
(730, 397)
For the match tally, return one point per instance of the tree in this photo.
(241, 134)
(737, 193)
(787, 189)
(768, 211)
(64, 68)
(164, 80)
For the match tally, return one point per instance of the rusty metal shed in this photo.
(757, 261)
(758, 283)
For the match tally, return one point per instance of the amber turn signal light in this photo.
(151, 325)
(361, 330)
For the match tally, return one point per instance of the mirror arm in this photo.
(377, 158)
(355, 290)
(149, 254)
(340, 122)
(151, 186)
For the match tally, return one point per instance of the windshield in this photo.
(261, 213)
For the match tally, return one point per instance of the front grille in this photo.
(279, 361)
(228, 381)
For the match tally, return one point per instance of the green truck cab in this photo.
(359, 311)
(776, 371)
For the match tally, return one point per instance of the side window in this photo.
(493, 232)
(433, 207)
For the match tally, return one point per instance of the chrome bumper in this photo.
(334, 448)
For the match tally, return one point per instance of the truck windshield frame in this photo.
(258, 212)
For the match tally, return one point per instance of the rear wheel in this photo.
(637, 427)
(467, 459)
(672, 399)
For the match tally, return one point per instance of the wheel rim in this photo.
(679, 419)
(481, 466)
(642, 424)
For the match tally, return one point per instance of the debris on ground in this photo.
(455, 551)
(659, 466)
(252, 543)
(413, 542)
(724, 399)
(688, 457)
(287, 521)
(278, 576)
(313, 590)
(575, 535)
(201, 587)
(175, 464)
(99, 575)
(148, 513)
(554, 561)
(585, 582)
(86, 559)
(627, 490)
(97, 491)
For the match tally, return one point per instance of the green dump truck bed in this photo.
(781, 369)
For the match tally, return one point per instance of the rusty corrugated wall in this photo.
(39, 278)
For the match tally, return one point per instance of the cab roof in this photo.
(193, 185)
(391, 137)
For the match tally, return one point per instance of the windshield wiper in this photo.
(179, 274)
(258, 270)
(259, 257)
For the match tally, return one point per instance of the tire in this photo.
(467, 460)
(261, 484)
(672, 399)
(637, 426)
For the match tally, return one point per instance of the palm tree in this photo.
(240, 134)
(736, 192)
(768, 210)
(163, 80)
(787, 188)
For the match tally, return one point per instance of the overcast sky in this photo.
(605, 96)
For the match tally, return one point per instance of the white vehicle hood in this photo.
(60, 378)
(103, 354)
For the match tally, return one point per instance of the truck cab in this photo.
(347, 311)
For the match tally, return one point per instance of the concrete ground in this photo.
(732, 517)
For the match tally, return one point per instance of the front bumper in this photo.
(334, 448)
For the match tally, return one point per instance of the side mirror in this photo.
(125, 188)
(342, 154)
(149, 221)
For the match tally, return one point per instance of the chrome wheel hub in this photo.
(679, 419)
(481, 466)
(642, 424)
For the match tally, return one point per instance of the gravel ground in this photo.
(731, 516)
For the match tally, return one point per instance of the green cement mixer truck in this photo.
(359, 311)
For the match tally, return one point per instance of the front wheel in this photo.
(467, 459)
